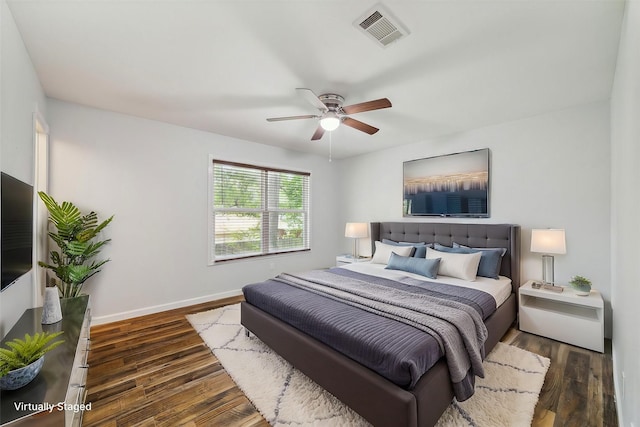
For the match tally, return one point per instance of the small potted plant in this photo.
(22, 361)
(581, 285)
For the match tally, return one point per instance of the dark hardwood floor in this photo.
(578, 389)
(156, 371)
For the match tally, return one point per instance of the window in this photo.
(258, 211)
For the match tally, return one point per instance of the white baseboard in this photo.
(100, 320)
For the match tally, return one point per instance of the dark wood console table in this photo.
(62, 380)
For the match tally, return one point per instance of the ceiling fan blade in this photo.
(318, 133)
(367, 106)
(357, 124)
(279, 119)
(312, 98)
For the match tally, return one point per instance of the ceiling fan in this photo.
(332, 113)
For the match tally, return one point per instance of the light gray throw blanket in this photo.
(457, 327)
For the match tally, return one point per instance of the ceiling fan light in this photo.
(330, 122)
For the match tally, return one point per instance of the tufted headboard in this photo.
(474, 235)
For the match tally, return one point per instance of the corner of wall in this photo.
(625, 203)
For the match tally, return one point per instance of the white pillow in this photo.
(462, 266)
(383, 252)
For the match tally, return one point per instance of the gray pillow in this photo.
(490, 258)
(501, 250)
(424, 267)
(420, 250)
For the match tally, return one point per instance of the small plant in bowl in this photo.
(582, 285)
(22, 361)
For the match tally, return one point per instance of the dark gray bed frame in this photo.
(375, 398)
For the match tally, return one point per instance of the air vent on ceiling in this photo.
(379, 24)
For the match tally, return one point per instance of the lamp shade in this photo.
(548, 241)
(356, 230)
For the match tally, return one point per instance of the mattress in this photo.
(399, 352)
(500, 289)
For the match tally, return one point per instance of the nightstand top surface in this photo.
(351, 259)
(568, 295)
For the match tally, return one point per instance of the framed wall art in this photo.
(455, 185)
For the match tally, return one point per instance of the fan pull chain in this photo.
(330, 145)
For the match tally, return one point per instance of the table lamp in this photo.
(548, 242)
(356, 230)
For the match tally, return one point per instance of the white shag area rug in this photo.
(285, 397)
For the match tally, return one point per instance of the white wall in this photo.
(153, 177)
(550, 170)
(21, 95)
(625, 178)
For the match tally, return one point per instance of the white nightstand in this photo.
(565, 316)
(349, 259)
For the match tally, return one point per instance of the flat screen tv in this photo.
(16, 228)
(455, 185)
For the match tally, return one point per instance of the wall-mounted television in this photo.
(455, 185)
(16, 228)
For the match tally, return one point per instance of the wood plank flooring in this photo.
(156, 371)
(578, 389)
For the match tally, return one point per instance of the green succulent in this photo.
(23, 352)
(580, 281)
(74, 264)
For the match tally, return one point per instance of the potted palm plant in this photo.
(75, 236)
(23, 359)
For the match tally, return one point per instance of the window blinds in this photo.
(258, 211)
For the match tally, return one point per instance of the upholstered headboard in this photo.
(474, 235)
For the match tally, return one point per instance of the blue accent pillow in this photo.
(420, 250)
(490, 258)
(421, 266)
(501, 251)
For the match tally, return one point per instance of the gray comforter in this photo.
(452, 318)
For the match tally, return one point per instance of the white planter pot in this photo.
(51, 311)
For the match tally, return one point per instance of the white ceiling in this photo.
(225, 66)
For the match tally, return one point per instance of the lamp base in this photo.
(547, 270)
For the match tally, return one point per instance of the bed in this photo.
(379, 400)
